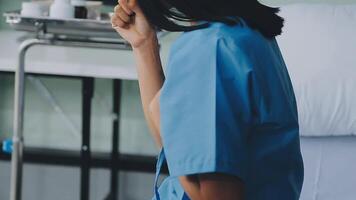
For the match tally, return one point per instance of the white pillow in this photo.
(319, 47)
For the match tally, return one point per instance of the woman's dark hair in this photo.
(164, 14)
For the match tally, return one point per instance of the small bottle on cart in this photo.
(80, 10)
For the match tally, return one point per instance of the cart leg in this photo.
(17, 153)
(115, 139)
(87, 90)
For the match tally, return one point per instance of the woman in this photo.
(225, 114)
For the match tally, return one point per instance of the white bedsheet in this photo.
(330, 165)
(319, 47)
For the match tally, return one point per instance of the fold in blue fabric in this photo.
(227, 105)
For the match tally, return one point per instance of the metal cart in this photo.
(70, 33)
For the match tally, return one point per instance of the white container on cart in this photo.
(61, 9)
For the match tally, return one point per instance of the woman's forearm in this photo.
(150, 77)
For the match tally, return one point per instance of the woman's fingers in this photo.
(124, 5)
(123, 15)
(117, 22)
(120, 18)
(131, 5)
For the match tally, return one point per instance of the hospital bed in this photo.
(319, 46)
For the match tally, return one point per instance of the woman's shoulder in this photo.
(192, 42)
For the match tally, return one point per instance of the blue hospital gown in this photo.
(227, 105)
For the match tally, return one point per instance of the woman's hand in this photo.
(130, 22)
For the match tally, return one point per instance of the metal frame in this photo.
(115, 140)
(125, 162)
(87, 91)
(17, 154)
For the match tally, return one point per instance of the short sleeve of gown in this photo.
(205, 107)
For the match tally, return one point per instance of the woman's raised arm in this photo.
(129, 21)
